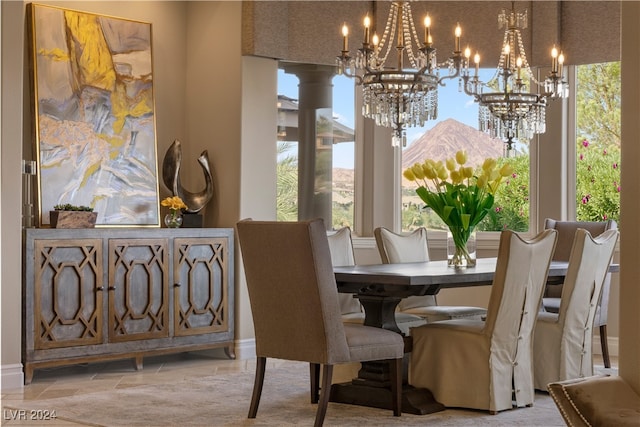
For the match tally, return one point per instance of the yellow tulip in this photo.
(482, 181)
(506, 170)
(461, 157)
(488, 165)
(456, 177)
(442, 173)
(467, 172)
(408, 173)
(417, 171)
(451, 164)
(429, 171)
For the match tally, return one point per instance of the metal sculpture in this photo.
(171, 177)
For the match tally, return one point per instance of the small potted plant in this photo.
(71, 216)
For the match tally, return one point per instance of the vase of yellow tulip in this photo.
(174, 218)
(459, 197)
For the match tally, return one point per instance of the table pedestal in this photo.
(372, 387)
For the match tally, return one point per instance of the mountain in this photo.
(440, 142)
(448, 137)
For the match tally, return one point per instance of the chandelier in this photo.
(398, 96)
(508, 110)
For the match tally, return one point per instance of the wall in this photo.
(12, 103)
(205, 29)
(629, 360)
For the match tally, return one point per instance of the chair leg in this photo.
(327, 373)
(314, 375)
(257, 386)
(395, 368)
(605, 346)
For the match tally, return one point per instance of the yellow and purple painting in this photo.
(95, 121)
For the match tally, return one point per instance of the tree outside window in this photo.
(598, 142)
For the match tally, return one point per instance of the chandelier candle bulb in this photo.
(427, 31)
(476, 59)
(560, 62)
(345, 38)
(367, 23)
(554, 60)
(458, 33)
(519, 65)
(507, 56)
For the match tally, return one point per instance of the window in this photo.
(598, 142)
(334, 154)
(457, 129)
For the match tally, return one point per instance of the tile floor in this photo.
(90, 378)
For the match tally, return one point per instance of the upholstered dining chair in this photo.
(412, 247)
(551, 299)
(342, 254)
(488, 364)
(296, 315)
(562, 341)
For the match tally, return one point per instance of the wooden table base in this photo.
(416, 401)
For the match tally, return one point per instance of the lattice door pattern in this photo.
(200, 278)
(138, 289)
(68, 293)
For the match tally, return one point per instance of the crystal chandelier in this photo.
(397, 97)
(508, 110)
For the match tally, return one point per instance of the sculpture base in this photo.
(192, 220)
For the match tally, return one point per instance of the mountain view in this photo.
(440, 142)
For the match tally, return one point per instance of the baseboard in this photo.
(12, 376)
(245, 349)
(612, 343)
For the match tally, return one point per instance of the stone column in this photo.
(315, 147)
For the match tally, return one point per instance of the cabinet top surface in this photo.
(132, 232)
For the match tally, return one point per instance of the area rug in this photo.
(223, 400)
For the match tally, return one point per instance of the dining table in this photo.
(380, 287)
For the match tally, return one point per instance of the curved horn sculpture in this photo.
(171, 177)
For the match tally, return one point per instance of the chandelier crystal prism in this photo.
(397, 96)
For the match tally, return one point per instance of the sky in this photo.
(452, 103)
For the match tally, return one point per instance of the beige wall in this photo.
(10, 282)
(630, 203)
(197, 100)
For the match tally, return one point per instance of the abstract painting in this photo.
(94, 115)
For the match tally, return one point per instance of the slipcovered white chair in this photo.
(296, 316)
(551, 299)
(397, 248)
(341, 247)
(562, 341)
(486, 365)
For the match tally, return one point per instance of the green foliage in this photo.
(598, 103)
(511, 207)
(598, 142)
(287, 185)
(70, 207)
(598, 182)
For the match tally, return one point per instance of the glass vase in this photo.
(173, 219)
(461, 248)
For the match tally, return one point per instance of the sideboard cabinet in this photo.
(102, 294)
